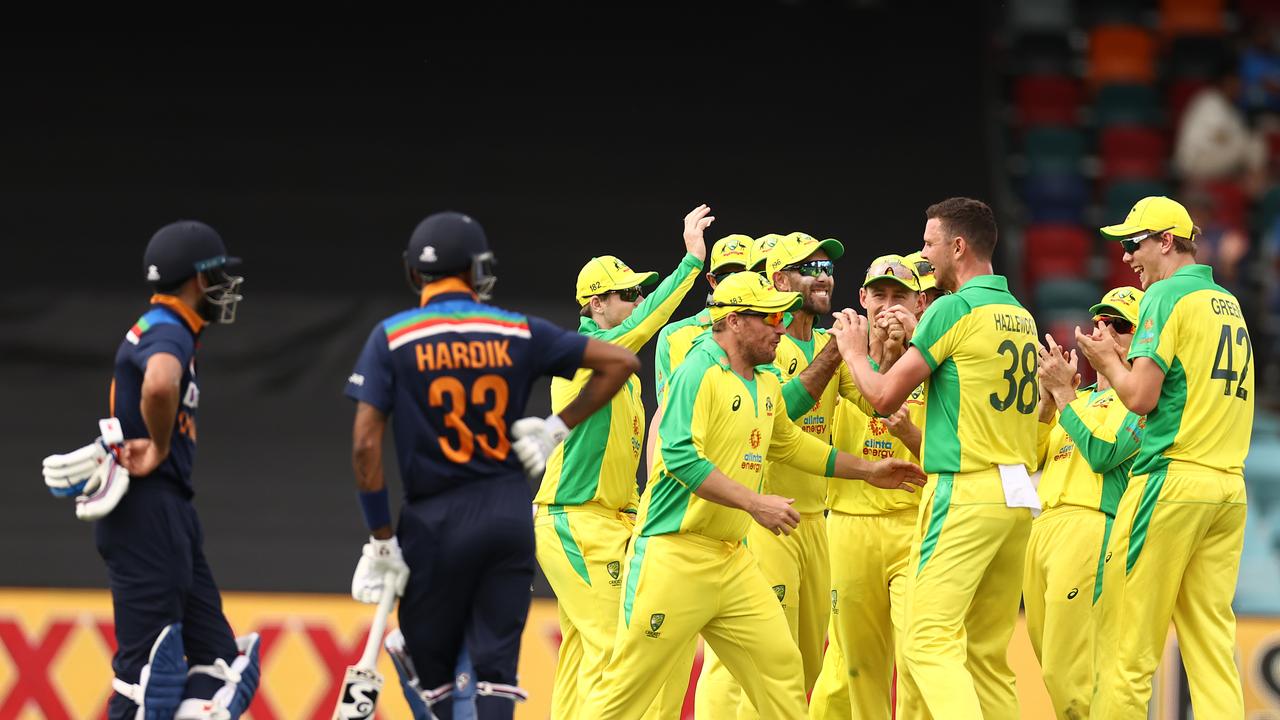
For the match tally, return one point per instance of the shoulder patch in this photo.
(151, 319)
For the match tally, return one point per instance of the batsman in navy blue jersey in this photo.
(453, 376)
(176, 655)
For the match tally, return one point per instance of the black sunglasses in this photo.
(627, 294)
(1120, 325)
(1131, 244)
(814, 268)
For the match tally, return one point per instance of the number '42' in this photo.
(1228, 372)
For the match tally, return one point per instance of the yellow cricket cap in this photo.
(731, 250)
(605, 273)
(749, 291)
(924, 270)
(1155, 213)
(796, 247)
(892, 267)
(1122, 301)
(760, 250)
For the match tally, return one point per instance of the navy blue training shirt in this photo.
(170, 327)
(453, 375)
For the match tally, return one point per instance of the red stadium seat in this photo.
(1191, 17)
(1230, 201)
(1132, 152)
(1055, 250)
(1121, 54)
(1046, 100)
(1119, 273)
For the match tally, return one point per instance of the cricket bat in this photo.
(358, 697)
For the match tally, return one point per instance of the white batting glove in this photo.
(379, 558)
(103, 491)
(66, 475)
(91, 474)
(535, 440)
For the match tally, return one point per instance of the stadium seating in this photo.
(1121, 54)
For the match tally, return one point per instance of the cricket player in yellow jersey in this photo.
(687, 570)
(675, 340)
(796, 567)
(929, 290)
(869, 531)
(1085, 459)
(977, 348)
(1180, 527)
(585, 507)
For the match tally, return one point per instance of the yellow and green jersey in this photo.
(1086, 454)
(674, 343)
(792, 358)
(982, 398)
(868, 437)
(716, 419)
(597, 461)
(1194, 330)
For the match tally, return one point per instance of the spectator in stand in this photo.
(1214, 139)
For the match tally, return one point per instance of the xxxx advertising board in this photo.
(56, 646)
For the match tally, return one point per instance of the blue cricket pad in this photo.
(165, 675)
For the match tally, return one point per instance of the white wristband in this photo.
(556, 429)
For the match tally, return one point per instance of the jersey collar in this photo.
(446, 286)
(990, 282)
(1203, 272)
(194, 322)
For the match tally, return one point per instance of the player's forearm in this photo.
(816, 377)
(723, 490)
(910, 436)
(850, 467)
(872, 385)
(159, 412)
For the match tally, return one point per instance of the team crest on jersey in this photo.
(1103, 402)
(737, 403)
(655, 622)
(768, 407)
(192, 397)
(917, 394)
(614, 568)
(834, 610)
(781, 592)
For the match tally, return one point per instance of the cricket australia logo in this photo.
(781, 592)
(614, 568)
(655, 622)
(834, 610)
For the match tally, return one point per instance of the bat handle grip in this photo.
(379, 627)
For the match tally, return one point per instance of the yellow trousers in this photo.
(1174, 555)
(677, 586)
(1064, 556)
(963, 591)
(869, 556)
(797, 569)
(581, 550)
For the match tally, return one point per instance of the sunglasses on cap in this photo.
(898, 270)
(813, 268)
(923, 267)
(1119, 324)
(1131, 244)
(773, 319)
(720, 276)
(630, 294)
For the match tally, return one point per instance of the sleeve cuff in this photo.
(697, 474)
(1150, 353)
(928, 357)
(797, 398)
(831, 463)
